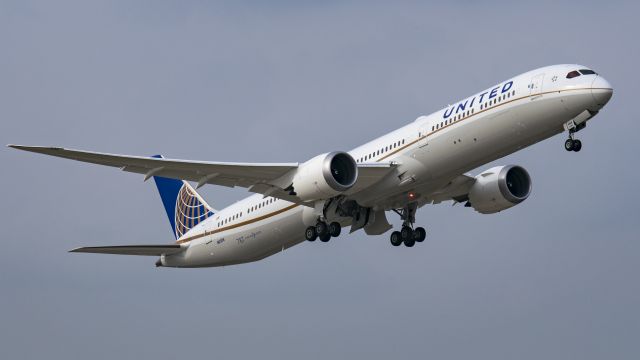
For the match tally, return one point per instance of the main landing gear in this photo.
(323, 231)
(408, 235)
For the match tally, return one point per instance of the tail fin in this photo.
(184, 206)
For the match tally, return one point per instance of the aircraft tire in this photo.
(568, 144)
(322, 229)
(419, 234)
(409, 242)
(406, 233)
(310, 233)
(335, 229)
(396, 238)
(577, 145)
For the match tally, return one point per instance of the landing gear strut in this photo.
(408, 235)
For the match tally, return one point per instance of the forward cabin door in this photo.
(535, 87)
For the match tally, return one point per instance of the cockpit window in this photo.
(573, 74)
(587, 72)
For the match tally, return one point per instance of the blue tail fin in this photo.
(184, 207)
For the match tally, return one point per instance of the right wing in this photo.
(144, 250)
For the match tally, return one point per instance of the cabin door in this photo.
(535, 87)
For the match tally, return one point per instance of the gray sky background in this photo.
(555, 277)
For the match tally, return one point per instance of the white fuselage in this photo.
(429, 152)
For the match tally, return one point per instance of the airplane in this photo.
(424, 162)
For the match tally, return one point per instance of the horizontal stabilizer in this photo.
(144, 250)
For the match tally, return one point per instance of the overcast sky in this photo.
(555, 277)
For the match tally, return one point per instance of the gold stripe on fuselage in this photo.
(247, 222)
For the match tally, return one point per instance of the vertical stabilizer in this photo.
(184, 206)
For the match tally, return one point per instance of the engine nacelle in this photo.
(325, 176)
(499, 188)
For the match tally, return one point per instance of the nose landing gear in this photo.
(572, 144)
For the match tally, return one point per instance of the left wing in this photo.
(257, 177)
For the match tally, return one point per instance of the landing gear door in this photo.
(535, 87)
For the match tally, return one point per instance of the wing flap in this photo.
(142, 250)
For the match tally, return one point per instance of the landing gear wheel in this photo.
(325, 238)
(310, 233)
(569, 144)
(577, 145)
(322, 229)
(409, 242)
(334, 229)
(406, 233)
(396, 238)
(419, 234)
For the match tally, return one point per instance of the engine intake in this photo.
(500, 188)
(325, 176)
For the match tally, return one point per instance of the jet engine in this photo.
(325, 176)
(499, 188)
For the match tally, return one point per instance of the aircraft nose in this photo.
(601, 91)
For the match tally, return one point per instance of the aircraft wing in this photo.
(257, 177)
(144, 250)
